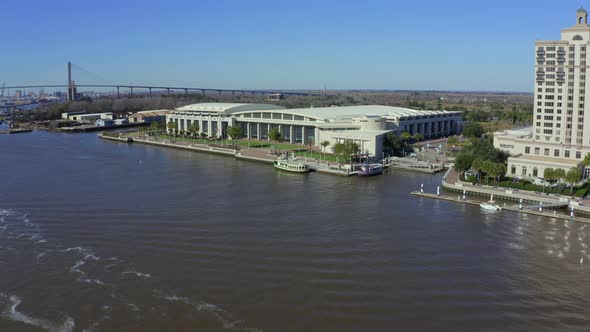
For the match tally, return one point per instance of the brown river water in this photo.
(103, 236)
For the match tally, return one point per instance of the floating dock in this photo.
(507, 207)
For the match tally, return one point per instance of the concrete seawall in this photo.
(219, 151)
(513, 208)
(512, 194)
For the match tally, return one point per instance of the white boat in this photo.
(295, 166)
(490, 206)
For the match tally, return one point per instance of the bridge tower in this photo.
(71, 85)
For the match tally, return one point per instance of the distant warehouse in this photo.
(148, 116)
(365, 125)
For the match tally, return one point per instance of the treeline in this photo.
(518, 114)
(135, 104)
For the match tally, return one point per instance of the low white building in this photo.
(84, 117)
(529, 158)
(366, 125)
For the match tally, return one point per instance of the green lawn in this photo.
(193, 140)
(578, 191)
(269, 145)
(320, 156)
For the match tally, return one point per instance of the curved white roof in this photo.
(348, 112)
(226, 107)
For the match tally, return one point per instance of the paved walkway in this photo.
(452, 178)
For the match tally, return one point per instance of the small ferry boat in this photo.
(369, 169)
(295, 166)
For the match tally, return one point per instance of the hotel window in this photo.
(566, 153)
(523, 171)
(298, 118)
(546, 153)
(513, 170)
(556, 153)
(535, 172)
(256, 115)
(537, 151)
(578, 155)
(527, 149)
(276, 116)
(287, 116)
(266, 115)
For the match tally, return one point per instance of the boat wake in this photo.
(117, 288)
(227, 321)
(11, 313)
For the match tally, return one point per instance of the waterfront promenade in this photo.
(530, 199)
(251, 154)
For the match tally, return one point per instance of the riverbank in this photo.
(450, 182)
(15, 131)
(242, 154)
(507, 207)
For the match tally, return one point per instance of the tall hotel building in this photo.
(560, 135)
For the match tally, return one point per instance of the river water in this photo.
(102, 236)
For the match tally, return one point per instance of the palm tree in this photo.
(338, 150)
(154, 126)
(194, 129)
(406, 136)
(324, 145)
(172, 127)
(477, 165)
(275, 135)
(572, 177)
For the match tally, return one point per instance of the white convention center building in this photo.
(366, 125)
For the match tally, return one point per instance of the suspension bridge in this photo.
(72, 88)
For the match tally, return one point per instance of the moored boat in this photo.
(490, 207)
(369, 169)
(295, 166)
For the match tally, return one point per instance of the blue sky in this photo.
(423, 45)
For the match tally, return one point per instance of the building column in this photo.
(258, 131)
(291, 136)
(303, 138)
(247, 130)
(209, 128)
(219, 131)
(268, 131)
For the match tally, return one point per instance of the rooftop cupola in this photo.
(582, 16)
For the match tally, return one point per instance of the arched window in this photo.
(580, 20)
(535, 172)
(578, 37)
